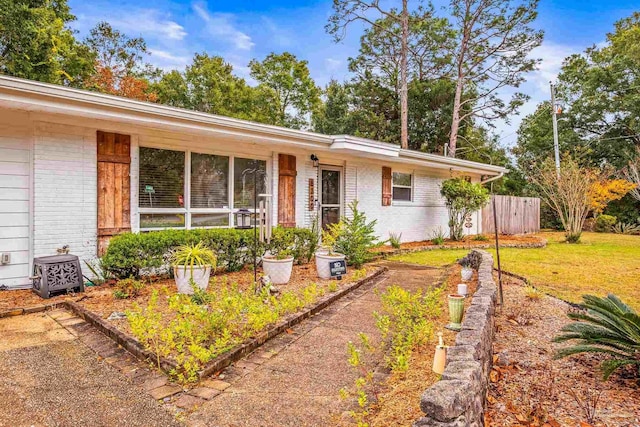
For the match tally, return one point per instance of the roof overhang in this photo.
(27, 95)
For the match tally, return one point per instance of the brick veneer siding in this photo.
(64, 190)
(458, 399)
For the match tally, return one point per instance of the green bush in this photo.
(604, 223)
(462, 198)
(353, 237)
(131, 254)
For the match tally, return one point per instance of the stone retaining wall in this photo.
(458, 399)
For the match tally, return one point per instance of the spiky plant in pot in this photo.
(608, 326)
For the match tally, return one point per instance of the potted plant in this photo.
(467, 272)
(278, 266)
(328, 255)
(192, 265)
(456, 310)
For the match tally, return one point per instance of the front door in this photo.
(330, 195)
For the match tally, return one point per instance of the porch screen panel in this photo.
(161, 178)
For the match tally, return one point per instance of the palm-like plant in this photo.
(606, 326)
(195, 255)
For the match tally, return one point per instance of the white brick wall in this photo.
(416, 220)
(65, 196)
(306, 171)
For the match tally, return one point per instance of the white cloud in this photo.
(221, 25)
(149, 22)
(167, 60)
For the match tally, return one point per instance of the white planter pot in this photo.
(200, 276)
(278, 270)
(466, 274)
(322, 263)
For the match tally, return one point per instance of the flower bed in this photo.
(192, 336)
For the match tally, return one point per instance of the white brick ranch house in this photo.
(77, 167)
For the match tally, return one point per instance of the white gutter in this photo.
(493, 178)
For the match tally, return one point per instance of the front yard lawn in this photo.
(603, 263)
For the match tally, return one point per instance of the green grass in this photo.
(602, 263)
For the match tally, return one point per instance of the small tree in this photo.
(570, 194)
(462, 198)
(632, 173)
(353, 237)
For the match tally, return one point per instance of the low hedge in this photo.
(132, 254)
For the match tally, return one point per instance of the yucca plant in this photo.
(625, 228)
(195, 255)
(608, 326)
(395, 239)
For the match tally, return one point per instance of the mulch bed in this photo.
(529, 388)
(100, 300)
(468, 242)
(399, 403)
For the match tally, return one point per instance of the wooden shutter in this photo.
(114, 159)
(386, 186)
(287, 190)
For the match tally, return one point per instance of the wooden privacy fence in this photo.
(516, 215)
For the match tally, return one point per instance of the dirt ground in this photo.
(529, 388)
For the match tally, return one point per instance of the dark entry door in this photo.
(330, 195)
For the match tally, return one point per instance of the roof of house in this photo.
(30, 95)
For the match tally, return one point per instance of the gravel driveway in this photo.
(49, 378)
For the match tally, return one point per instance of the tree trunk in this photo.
(404, 104)
(455, 121)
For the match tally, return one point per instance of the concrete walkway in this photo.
(48, 377)
(295, 379)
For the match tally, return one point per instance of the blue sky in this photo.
(240, 30)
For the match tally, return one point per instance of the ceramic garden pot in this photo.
(279, 270)
(322, 263)
(200, 276)
(466, 274)
(456, 311)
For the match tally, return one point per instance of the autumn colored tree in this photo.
(120, 68)
(605, 191)
(577, 191)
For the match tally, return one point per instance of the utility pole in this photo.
(554, 114)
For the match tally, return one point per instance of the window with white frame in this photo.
(402, 184)
(184, 189)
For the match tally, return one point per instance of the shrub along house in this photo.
(78, 167)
